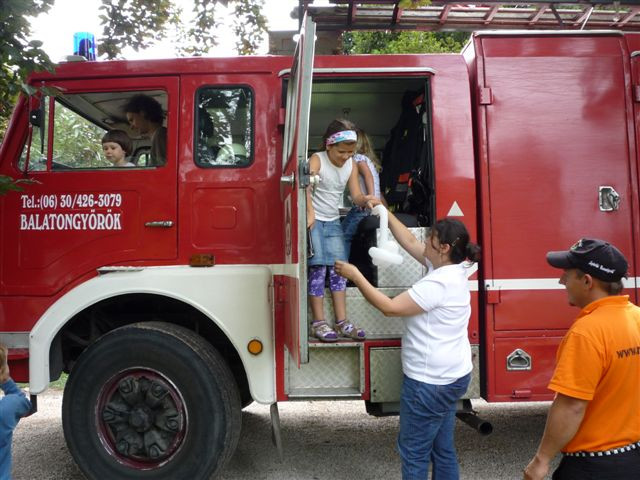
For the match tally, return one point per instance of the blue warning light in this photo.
(84, 44)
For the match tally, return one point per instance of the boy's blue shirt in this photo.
(13, 406)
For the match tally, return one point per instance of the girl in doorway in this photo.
(336, 169)
(368, 167)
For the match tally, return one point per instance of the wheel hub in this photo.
(142, 417)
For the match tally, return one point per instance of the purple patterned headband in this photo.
(343, 136)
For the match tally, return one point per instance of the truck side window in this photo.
(38, 148)
(224, 127)
(80, 122)
(76, 141)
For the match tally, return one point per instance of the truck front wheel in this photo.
(151, 400)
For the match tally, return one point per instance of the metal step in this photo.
(334, 370)
(344, 393)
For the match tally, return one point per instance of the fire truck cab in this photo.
(174, 294)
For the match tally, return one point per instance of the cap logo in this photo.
(576, 245)
(601, 267)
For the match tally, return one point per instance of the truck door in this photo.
(292, 187)
(635, 69)
(82, 212)
(556, 167)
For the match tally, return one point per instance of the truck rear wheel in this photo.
(151, 400)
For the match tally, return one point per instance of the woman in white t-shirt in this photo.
(436, 355)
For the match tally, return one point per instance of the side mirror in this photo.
(36, 118)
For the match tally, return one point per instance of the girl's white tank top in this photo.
(328, 193)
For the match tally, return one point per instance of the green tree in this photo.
(140, 23)
(403, 42)
(132, 23)
(18, 55)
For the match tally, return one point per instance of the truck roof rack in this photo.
(443, 15)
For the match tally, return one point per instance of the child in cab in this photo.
(337, 170)
(117, 146)
(368, 167)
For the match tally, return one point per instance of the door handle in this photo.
(159, 224)
(608, 199)
(289, 180)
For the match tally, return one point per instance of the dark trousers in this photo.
(623, 466)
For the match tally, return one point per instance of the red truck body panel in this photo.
(525, 129)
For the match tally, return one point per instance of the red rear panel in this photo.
(553, 128)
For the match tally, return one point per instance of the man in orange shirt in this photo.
(595, 417)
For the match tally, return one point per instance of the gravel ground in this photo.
(322, 440)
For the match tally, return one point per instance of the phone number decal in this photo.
(71, 201)
(75, 211)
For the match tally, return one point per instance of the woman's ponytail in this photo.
(452, 232)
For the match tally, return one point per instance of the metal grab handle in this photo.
(159, 224)
(289, 180)
(519, 360)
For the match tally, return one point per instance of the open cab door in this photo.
(295, 179)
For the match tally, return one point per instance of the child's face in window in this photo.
(113, 152)
(339, 153)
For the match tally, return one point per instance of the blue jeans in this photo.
(350, 225)
(13, 406)
(427, 420)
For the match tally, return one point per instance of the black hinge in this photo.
(485, 95)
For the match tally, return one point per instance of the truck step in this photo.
(344, 393)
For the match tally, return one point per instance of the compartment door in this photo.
(558, 159)
(292, 190)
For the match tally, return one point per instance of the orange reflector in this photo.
(254, 347)
(202, 260)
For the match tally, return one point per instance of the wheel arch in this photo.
(106, 302)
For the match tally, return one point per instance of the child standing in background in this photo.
(335, 167)
(368, 166)
(116, 146)
(13, 406)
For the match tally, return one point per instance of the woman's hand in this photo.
(345, 269)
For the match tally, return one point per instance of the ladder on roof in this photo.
(442, 15)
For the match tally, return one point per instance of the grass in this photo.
(60, 383)
(57, 385)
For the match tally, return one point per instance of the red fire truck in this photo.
(175, 294)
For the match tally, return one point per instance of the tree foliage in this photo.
(404, 42)
(140, 23)
(18, 55)
(127, 23)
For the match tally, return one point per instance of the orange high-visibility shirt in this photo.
(599, 360)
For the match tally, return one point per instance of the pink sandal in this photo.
(323, 332)
(349, 330)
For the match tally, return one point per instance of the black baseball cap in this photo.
(596, 257)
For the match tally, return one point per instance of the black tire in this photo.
(151, 400)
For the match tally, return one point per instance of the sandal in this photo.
(349, 330)
(323, 332)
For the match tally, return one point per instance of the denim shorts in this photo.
(328, 243)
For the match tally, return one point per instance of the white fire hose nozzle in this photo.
(386, 253)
